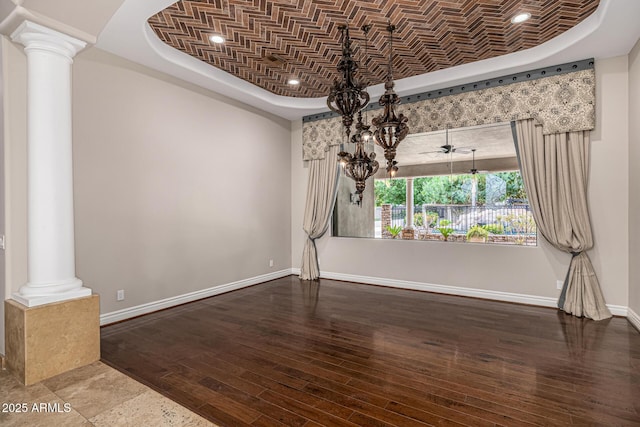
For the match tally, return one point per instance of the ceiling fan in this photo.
(473, 169)
(448, 148)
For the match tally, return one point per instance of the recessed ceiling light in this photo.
(216, 38)
(293, 82)
(521, 17)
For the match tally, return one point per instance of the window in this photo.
(464, 184)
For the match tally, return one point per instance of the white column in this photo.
(409, 203)
(51, 252)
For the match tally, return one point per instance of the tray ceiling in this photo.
(267, 41)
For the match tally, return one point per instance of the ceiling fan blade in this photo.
(462, 150)
(478, 172)
(448, 149)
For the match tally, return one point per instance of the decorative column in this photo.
(51, 252)
(409, 232)
(385, 220)
(409, 199)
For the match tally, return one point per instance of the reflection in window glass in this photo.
(464, 185)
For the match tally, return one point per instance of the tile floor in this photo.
(95, 395)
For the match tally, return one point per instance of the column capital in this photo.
(37, 37)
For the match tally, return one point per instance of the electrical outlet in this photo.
(270, 263)
(120, 295)
(559, 284)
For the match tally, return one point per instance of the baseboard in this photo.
(616, 310)
(633, 318)
(127, 313)
(445, 289)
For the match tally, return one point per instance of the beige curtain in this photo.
(321, 195)
(555, 170)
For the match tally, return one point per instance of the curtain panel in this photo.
(555, 172)
(321, 195)
(561, 103)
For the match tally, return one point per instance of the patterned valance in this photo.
(561, 103)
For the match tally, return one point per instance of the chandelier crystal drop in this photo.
(391, 127)
(348, 95)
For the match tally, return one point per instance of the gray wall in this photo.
(522, 270)
(634, 179)
(176, 189)
(352, 220)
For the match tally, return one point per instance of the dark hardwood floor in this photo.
(296, 353)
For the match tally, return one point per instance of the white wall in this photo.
(634, 179)
(176, 189)
(521, 270)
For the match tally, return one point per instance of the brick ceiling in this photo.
(269, 41)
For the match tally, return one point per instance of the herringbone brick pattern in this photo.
(269, 41)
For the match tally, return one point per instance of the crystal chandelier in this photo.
(391, 128)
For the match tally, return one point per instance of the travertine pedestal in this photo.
(47, 340)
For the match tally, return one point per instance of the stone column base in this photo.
(409, 234)
(47, 340)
